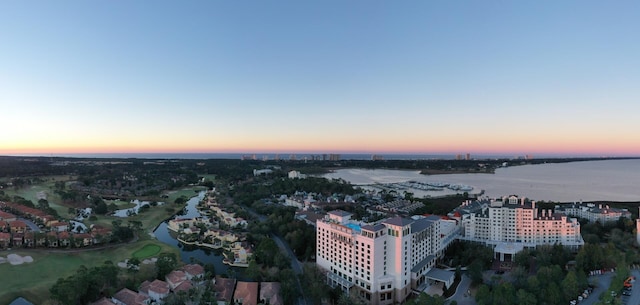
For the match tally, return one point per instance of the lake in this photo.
(606, 180)
(206, 256)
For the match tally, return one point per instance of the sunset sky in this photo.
(484, 77)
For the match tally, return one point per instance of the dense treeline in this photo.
(300, 236)
(268, 188)
(87, 285)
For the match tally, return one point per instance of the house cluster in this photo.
(200, 231)
(231, 291)
(183, 279)
(313, 201)
(227, 291)
(16, 233)
(211, 206)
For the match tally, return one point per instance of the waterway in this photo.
(607, 180)
(203, 255)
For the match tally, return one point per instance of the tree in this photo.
(570, 285)
(475, 271)
(525, 298)
(166, 263)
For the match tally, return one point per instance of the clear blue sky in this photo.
(326, 76)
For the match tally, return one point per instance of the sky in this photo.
(479, 77)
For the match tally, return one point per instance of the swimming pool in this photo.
(354, 227)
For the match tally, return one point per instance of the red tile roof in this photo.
(224, 287)
(247, 293)
(129, 297)
(193, 269)
(184, 286)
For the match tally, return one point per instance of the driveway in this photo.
(461, 297)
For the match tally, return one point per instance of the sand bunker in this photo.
(148, 261)
(15, 259)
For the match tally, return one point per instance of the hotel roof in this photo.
(398, 221)
(340, 213)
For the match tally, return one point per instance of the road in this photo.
(30, 223)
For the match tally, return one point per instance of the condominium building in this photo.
(385, 261)
(515, 221)
(593, 213)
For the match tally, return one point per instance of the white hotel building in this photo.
(385, 261)
(512, 223)
(593, 213)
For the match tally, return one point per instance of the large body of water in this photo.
(608, 180)
(206, 256)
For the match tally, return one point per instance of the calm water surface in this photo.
(613, 180)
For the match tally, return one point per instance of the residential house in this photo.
(270, 293)
(40, 239)
(175, 278)
(156, 290)
(193, 271)
(7, 216)
(103, 301)
(64, 239)
(83, 239)
(4, 226)
(5, 240)
(29, 240)
(184, 286)
(246, 293)
(18, 239)
(18, 226)
(224, 288)
(128, 297)
(100, 234)
(59, 226)
(52, 239)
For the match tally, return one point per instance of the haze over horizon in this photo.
(416, 77)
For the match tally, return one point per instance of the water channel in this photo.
(187, 252)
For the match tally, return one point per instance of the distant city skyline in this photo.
(368, 77)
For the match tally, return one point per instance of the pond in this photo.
(134, 210)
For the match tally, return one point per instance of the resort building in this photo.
(511, 224)
(384, 262)
(593, 213)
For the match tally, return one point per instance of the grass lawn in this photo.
(149, 250)
(33, 280)
(47, 186)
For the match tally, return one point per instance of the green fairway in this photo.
(33, 280)
(147, 251)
